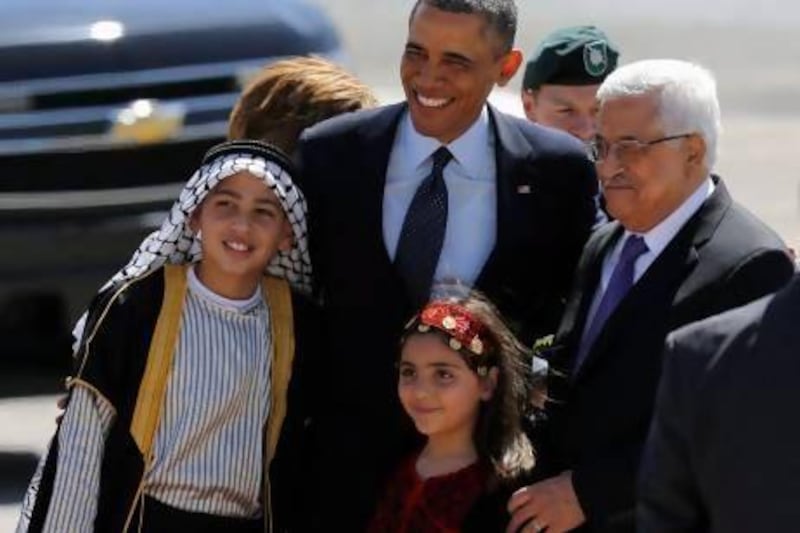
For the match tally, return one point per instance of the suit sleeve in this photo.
(668, 496)
(290, 470)
(604, 488)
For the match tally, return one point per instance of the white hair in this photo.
(687, 97)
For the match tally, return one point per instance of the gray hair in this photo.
(501, 15)
(687, 97)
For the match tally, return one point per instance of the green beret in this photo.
(579, 55)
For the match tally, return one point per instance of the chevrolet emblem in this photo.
(148, 121)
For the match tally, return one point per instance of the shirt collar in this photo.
(240, 306)
(659, 237)
(468, 149)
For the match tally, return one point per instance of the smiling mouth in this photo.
(432, 103)
(237, 246)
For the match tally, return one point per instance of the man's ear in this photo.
(529, 103)
(489, 384)
(510, 64)
(287, 237)
(696, 151)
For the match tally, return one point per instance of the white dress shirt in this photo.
(657, 239)
(471, 195)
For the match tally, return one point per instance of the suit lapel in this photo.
(588, 275)
(705, 223)
(511, 150)
(377, 134)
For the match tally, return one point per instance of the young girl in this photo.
(462, 380)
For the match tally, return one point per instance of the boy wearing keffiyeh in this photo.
(185, 360)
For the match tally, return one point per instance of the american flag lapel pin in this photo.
(523, 189)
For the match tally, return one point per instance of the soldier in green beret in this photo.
(562, 77)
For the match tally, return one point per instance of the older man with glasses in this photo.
(680, 250)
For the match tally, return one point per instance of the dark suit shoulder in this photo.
(552, 161)
(547, 141)
(347, 124)
(728, 387)
(741, 228)
(697, 348)
(713, 365)
(750, 258)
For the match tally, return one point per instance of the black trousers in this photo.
(161, 518)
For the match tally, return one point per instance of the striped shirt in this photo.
(208, 448)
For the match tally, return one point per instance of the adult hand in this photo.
(550, 505)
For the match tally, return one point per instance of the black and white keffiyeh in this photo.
(175, 242)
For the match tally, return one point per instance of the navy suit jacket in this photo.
(545, 210)
(722, 454)
(721, 258)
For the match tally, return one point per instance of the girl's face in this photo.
(438, 390)
(243, 225)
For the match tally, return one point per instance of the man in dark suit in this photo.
(723, 451)
(680, 250)
(518, 204)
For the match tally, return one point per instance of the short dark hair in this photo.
(501, 15)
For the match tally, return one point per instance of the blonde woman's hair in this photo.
(290, 95)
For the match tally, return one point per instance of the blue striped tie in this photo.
(422, 235)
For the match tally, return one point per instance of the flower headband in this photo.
(463, 329)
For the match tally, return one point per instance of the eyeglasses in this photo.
(624, 149)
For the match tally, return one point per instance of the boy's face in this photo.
(438, 390)
(242, 226)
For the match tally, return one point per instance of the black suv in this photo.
(105, 109)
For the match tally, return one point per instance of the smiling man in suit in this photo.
(680, 250)
(442, 186)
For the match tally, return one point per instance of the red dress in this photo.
(434, 505)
